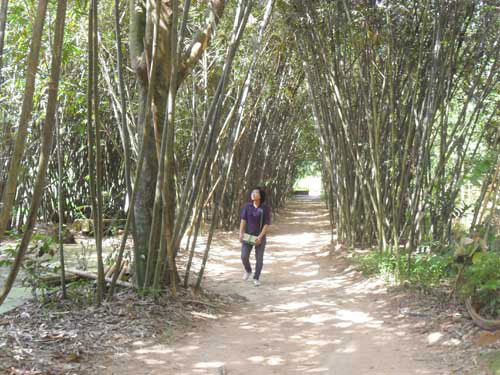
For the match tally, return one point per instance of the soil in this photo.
(313, 314)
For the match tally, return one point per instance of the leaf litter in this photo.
(62, 337)
(448, 328)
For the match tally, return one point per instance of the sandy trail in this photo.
(313, 314)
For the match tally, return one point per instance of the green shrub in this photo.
(482, 282)
(39, 261)
(427, 270)
(375, 263)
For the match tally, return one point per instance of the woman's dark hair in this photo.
(262, 193)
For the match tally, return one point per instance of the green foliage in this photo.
(482, 281)
(39, 262)
(7, 256)
(81, 292)
(308, 168)
(377, 263)
(478, 167)
(493, 361)
(425, 270)
(481, 262)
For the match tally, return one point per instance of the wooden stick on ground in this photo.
(93, 276)
(110, 271)
(54, 280)
(124, 269)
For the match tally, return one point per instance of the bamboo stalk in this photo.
(47, 139)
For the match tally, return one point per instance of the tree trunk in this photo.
(142, 39)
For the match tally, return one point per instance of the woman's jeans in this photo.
(246, 249)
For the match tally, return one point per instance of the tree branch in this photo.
(201, 40)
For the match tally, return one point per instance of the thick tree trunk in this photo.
(128, 224)
(142, 40)
(167, 184)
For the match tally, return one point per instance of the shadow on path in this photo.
(313, 314)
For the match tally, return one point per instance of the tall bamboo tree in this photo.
(9, 191)
(48, 130)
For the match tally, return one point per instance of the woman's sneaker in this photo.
(256, 282)
(246, 275)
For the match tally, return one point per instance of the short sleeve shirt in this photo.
(252, 215)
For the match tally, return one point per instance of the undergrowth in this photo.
(470, 267)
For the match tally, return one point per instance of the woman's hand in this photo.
(258, 241)
(241, 237)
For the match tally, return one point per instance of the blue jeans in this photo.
(246, 249)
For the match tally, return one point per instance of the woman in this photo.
(255, 220)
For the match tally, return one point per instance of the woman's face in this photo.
(255, 195)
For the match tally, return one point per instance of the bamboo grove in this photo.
(165, 113)
(405, 97)
(170, 136)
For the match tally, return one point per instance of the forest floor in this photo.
(313, 314)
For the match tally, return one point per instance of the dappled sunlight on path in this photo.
(313, 314)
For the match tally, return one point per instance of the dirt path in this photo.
(312, 315)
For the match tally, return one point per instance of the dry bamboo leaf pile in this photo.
(64, 337)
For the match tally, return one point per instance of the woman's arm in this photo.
(267, 223)
(243, 225)
(263, 232)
